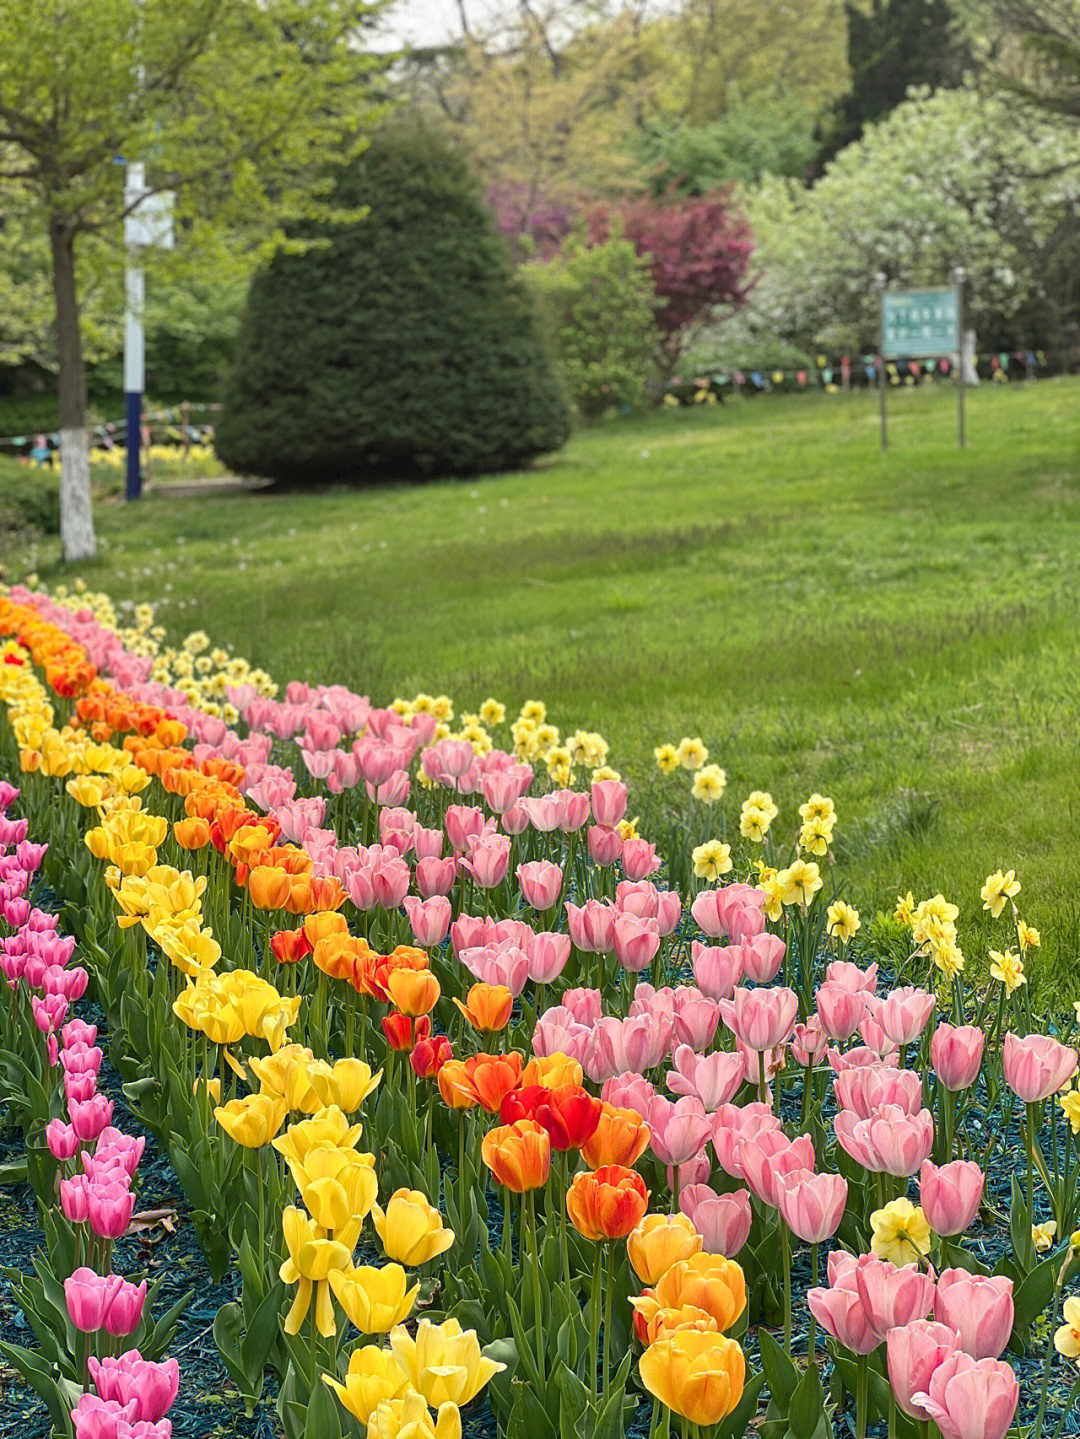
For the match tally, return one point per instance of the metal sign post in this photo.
(918, 325)
(881, 282)
(148, 222)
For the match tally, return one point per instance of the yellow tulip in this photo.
(373, 1376)
(443, 1362)
(695, 1373)
(329, 1129)
(312, 1257)
(408, 1418)
(346, 1084)
(337, 1185)
(252, 1121)
(274, 1071)
(87, 790)
(411, 1229)
(706, 1281)
(374, 1299)
(660, 1241)
(191, 949)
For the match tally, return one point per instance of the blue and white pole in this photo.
(134, 347)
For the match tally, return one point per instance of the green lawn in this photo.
(899, 631)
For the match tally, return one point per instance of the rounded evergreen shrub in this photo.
(402, 346)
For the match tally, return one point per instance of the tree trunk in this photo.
(76, 511)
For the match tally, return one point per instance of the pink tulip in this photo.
(892, 1296)
(637, 1043)
(605, 845)
(97, 1418)
(690, 1172)
(62, 1140)
(468, 931)
(586, 1005)
(696, 1019)
(49, 1012)
(639, 859)
(543, 813)
(463, 824)
(548, 955)
(889, 1142)
(668, 911)
(840, 1310)
(558, 1032)
(125, 1312)
(592, 926)
(540, 883)
(850, 976)
(840, 1010)
(861, 1057)
(489, 860)
(722, 1220)
(89, 1118)
(427, 843)
(390, 882)
(435, 876)
(904, 1014)
(762, 956)
(504, 963)
(950, 1196)
(956, 1054)
(89, 1297)
(809, 1042)
(429, 919)
(629, 1091)
(516, 819)
(761, 1018)
(679, 1129)
(81, 1058)
(812, 1205)
(608, 801)
(109, 1209)
(640, 898)
(709, 913)
(75, 1198)
(765, 1158)
(970, 1400)
(712, 1078)
(1037, 1066)
(875, 1039)
(716, 971)
(573, 809)
(868, 1088)
(128, 1148)
(152, 1387)
(913, 1352)
(78, 1088)
(503, 788)
(979, 1308)
(732, 1124)
(636, 942)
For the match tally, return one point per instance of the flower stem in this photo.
(538, 1314)
(785, 1255)
(862, 1394)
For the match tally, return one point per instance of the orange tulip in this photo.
(493, 1076)
(607, 1203)
(703, 1281)
(455, 1086)
(326, 893)
(338, 954)
(269, 888)
(487, 1007)
(325, 922)
(192, 833)
(621, 1137)
(414, 991)
(518, 1155)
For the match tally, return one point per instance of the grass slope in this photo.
(899, 631)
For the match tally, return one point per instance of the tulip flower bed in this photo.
(483, 1124)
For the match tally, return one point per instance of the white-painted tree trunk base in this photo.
(76, 508)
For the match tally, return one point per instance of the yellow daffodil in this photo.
(901, 1232)
(710, 781)
(998, 888)
(711, 860)
(691, 752)
(667, 758)
(1008, 969)
(799, 882)
(1067, 1338)
(843, 921)
(1042, 1235)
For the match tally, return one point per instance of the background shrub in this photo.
(401, 345)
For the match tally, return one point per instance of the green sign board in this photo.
(916, 324)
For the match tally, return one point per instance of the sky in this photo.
(421, 22)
